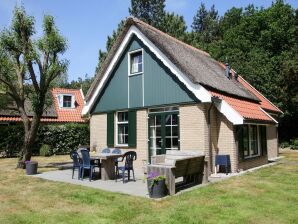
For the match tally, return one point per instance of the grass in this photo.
(269, 195)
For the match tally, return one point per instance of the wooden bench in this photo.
(187, 164)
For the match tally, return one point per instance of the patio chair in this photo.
(129, 157)
(87, 164)
(106, 150)
(76, 163)
(117, 151)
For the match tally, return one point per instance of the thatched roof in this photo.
(197, 65)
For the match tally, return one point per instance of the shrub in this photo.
(61, 138)
(294, 144)
(45, 150)
(284, 145)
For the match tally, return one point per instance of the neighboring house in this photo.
(66, 107)
(155, 93)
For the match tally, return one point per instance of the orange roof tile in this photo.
(246, 109)
(63, 114)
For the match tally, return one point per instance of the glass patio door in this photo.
(163, 132)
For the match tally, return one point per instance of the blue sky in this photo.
(86, 24)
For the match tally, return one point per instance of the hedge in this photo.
(61, 138)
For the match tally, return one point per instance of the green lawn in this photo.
(269, 195)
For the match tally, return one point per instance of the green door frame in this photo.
(163, 126)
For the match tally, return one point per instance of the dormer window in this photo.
(66, 101)
(136, 62)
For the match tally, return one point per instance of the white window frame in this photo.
(129, 62)
(258, 142)
(117, 123)
(72, 106)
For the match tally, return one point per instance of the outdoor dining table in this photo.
(107, 164)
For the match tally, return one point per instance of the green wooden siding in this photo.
(136, 91)
(161, 87)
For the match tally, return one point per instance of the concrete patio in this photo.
(134, 188)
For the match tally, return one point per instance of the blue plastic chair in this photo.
(106, 150)
(129, 157)
(76, 163)
(117, 151)
(87, 164)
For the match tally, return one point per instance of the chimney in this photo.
(228, 68)
(236, 76)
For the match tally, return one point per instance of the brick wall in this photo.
(98, 135)
(272, 142)
(98, 131)
(223, 138)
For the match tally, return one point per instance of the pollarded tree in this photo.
(28, 68)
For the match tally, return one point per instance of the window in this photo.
(122, 126)
(136, 62)
(249, 142)
(67, 101)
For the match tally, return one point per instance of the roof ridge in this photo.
(165, 34)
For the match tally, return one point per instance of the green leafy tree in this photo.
(174, 25)
(28, 68)
(206, 24)
(149, 11)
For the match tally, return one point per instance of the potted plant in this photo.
(156, 185)
(31, 167)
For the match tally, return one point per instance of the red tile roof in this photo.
(248, 109)
(63, 114)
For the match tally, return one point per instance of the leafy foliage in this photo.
(51, 139)
(149, 11)
(28, 69)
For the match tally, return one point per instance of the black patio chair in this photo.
(86, 165)
(117, 151)
(129, 157)
(106, 150)
(75, 163)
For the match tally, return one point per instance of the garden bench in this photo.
(187, 164)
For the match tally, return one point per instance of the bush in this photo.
(60, 138)
(284, 145)
(294, 144)
(45, 150)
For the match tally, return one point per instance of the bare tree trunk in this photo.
(31, 129)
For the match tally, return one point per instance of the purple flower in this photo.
(152, 175)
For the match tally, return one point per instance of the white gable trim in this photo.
(200, 92)
(268, 115)
(231, 114)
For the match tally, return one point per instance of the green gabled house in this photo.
(155, 93)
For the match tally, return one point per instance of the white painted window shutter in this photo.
(73, 100)
(60, 100)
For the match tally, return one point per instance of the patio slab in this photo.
(137, 188)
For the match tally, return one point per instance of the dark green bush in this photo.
(294, 144)
(61, 138)
(284, 145)
(45, 150)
